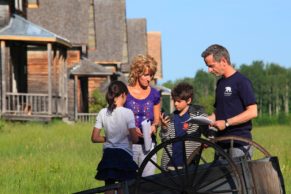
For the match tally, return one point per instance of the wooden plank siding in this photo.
(137, 40)
(110, 32)
(4, 13)
(38, 80)
(37, 69)
(155, 50)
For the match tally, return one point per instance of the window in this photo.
(18, 5)
(32, 4)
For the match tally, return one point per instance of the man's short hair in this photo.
(218, 52)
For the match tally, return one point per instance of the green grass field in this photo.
(60, 158)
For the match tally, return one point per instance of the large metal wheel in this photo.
(258, 152)
(200, 172)
(261, 170)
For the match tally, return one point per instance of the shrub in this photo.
(97, 102)
(266, 120)
(282, 119)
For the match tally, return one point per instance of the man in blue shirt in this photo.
(235, 102)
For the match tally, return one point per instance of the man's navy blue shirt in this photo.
(233, 95)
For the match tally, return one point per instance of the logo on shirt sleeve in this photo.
(227, 91)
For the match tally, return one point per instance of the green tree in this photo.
(204, 84)
(256, 73)
(276, 81)
(207, 102)
(271, 84)
(169, 84)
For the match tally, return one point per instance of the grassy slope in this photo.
(59, 158)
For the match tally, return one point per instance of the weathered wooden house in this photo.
(54, 54)
(136, 40)
(31, 90)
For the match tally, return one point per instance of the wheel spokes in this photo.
(197, 171)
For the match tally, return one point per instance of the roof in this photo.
(137, 40)
(20, 29)
(164, 90)
(118, 76)
(68, 18)
(88, 68)
(155, 50)
(110, 32)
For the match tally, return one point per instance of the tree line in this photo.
(271, 84)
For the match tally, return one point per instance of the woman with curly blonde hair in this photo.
(144, 101)
(139, 65)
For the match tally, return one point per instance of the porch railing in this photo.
(86, 117)
(29, 103)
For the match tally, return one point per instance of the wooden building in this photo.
(69, 49)
(137, 40)
(154, 48)
(32, 86)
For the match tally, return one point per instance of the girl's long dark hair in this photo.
(115, 89)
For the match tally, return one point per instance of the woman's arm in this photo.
(157, 113)
(96, 137)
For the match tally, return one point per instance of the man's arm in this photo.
(250, 113)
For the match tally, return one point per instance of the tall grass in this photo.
(60, 158)
(277, 140)
(47, 158)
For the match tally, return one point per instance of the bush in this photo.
(282, 119)
(266, 120)
(97, 102)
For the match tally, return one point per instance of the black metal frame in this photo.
(196, 175)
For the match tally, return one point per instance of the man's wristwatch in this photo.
(226, 123)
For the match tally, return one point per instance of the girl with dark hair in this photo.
(118, 123)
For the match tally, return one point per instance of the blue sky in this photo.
(249, 29)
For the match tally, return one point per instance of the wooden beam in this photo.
(108, 62)
(66, 83)
(76, 96)
(3, 77)
(61, 83)
(49, 60)
(36, 39)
